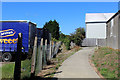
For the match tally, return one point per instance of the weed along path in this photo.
(77, 66)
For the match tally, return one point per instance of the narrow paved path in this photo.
(77, 66)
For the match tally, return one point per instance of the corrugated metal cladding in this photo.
(113, 32)
(89, 42)
(94, 42)
(101, 42)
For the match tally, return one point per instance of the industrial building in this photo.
(113, 31)
(96, 29)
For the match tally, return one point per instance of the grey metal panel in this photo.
(113, 33)
(101, 42)
(118, 31)
(89, 42)
(94, 42)
(96, 30)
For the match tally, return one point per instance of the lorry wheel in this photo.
(6, 57)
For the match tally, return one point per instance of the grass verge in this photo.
(8, 69)
(106, 61)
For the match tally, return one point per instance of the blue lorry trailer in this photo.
(9, 35)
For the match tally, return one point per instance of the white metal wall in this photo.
(96, 30)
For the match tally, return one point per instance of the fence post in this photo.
(45, 52)
(34, 57)
(53, 48)
(50, 47)
(41, 55)
(50, 51)
(39, 58)
(17, 69)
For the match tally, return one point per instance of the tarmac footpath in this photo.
(78, 66)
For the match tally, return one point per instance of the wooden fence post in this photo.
(50, 52)
(56, 49)
(34, 57)
(45, 52)
(42, 51)
(53, 48)
(17, 69)
(39, 58)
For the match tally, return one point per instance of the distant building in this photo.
(113, 31)
(96, 28)
(96, 24)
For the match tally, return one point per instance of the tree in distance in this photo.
(53, 27)
(78, 36)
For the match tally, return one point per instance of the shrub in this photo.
(67, 43)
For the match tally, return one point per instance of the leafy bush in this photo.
(78, 36)
(75, 37)
(67, 43)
